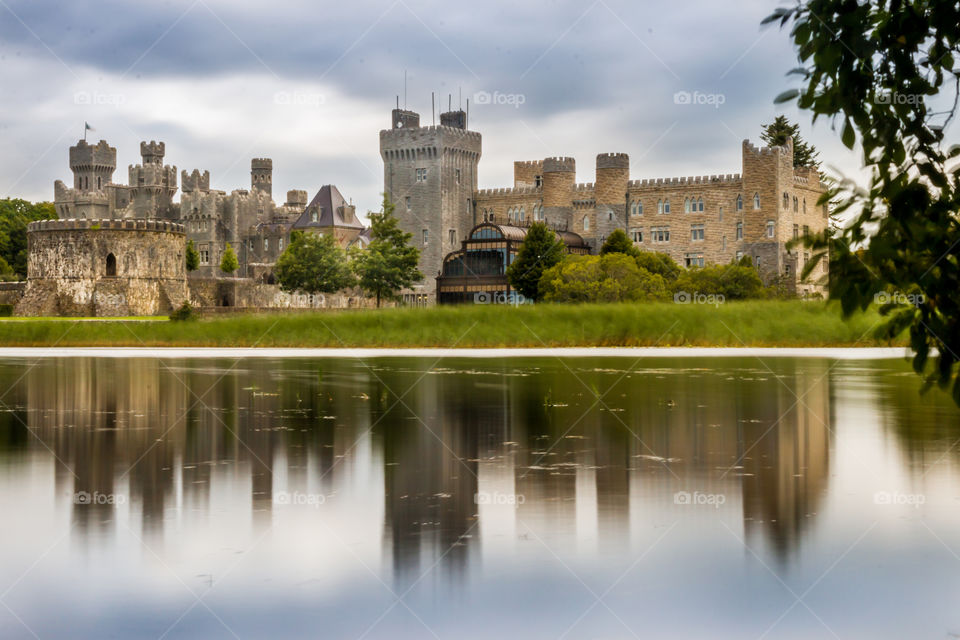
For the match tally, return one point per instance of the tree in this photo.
(229, 263)
(732, 281)
(389, 263)
(15, 215)
(619, 242)
(193, 258)
(776, 133)
(313, 263)
(614, 277)
(872, 66)
(659, 263)
(541, 249)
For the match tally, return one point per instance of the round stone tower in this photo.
(261, 175)
(613, 174)
(104, 268)
(559, 177)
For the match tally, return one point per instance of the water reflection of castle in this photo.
(165, 433)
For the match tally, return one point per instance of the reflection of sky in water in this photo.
(310, 497)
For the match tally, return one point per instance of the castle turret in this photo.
(152, 152)
(92, 165)
(403, 119)
(296, 198)
(527, 174)
(455, 119)
(261, 175)
(559, 176)
(613, 177)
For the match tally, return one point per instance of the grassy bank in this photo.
(736, 324)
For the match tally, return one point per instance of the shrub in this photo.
(184, 312)
(614, 277)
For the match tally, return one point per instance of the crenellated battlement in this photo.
(152, 152)
(528, 164)
(705, 180)
(261, 163)
(584, 186)
(613, 161)
(86, 156)
(194, 181)
(750, 148)
(464, 133)
(559, 165)
(74, 224)
(509, 191)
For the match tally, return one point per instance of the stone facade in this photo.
(697, 220)
(430, 174)
(104, 268)
(248, 219)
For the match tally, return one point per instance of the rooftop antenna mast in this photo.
(404, 89)
(433, 107)
(460, 89)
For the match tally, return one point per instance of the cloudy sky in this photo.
(311, 83)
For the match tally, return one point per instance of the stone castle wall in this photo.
(104, 268)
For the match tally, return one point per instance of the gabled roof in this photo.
(328, 203)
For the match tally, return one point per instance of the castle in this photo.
(120, 249)
(430, 173)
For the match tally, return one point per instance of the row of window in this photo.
(691, 205)
(697, 232)
(796, 203)
(421, 175)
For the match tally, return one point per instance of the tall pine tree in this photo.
(389, 263)
(776, 133)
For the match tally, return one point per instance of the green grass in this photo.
(734, 324)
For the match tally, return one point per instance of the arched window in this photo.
(721, 214)
(521, 214)
(739, 231)
(786, 200)
(686, 205)
(659, 206)
(756, 200)
(804, 205)
(586, 223)
(666, 205)
(111, 265)
(700, 204)
(739, 202)
(633, 208)
(796, 204)
(610, 216)
(98, 183)
(639, 207)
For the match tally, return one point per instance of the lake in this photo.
(583, 497)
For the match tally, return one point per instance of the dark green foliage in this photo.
(6, 310)
(872, 67)
(733, 282)
(229, 262)
(15, 214)
(183, 312)
(541, 249)
(619, 242)
(313, 263)
(389, 263)
(614, 277)
(192, 257)
(776, 133)
(659, 263)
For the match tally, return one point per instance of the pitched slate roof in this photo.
(328, 203)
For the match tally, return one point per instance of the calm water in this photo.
(414, 498)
